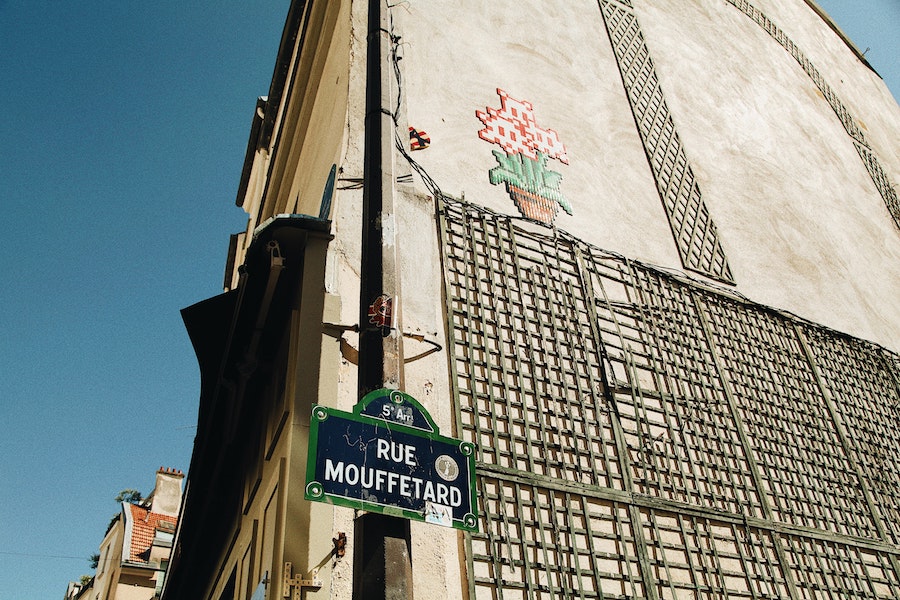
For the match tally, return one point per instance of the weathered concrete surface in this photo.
(803, 226)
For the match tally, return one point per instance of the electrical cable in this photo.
(429, 181)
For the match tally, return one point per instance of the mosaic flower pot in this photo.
(533, 206)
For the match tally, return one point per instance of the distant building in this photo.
(134, 553)
(644, 255)
(75, 588)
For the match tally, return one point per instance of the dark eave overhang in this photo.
(139, 566)
(235, 336)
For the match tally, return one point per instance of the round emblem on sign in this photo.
(446, 468)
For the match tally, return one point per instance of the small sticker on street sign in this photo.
(438, 514)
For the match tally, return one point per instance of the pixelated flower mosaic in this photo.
(522, 165)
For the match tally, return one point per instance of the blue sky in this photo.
(123, 136)
(124, 130)
(874, 27)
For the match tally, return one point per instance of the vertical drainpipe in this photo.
(382, 565)
(381, 348)
(371, 351)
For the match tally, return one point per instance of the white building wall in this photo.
(801, 222)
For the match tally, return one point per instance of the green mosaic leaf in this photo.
(529, 174)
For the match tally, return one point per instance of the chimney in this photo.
(166, 497)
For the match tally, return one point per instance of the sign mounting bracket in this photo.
(292, 587)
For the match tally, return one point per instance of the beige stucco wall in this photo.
(135, 584)
(109, 566)
(455, 56)
(322, 119)
(802, 224)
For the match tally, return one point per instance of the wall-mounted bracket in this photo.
(292, 587)
(340, 545)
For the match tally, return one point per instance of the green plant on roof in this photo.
(531, 175)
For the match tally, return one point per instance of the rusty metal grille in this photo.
(879, 177)
(690, 222)
(703, 429)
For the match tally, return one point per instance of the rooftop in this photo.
(143, 526)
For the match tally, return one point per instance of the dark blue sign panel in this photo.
(389, 465)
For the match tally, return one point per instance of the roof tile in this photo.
(145, 524)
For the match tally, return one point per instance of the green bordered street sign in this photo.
(388, 456)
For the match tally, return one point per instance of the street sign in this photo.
(388, 456)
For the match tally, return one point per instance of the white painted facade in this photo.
(803, 226)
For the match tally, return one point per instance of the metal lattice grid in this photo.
(865, 396)
(695, 557)
(808, 476)
(598, 379)
(831, 570)
(682, 439)
(695, 233)
(863, 148)
(536, 542)
(529, 369)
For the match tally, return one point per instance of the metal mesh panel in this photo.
(807, 474)
(865, 396)
(529, 370)
(695, 557)
(682, 438)
(871, 162)
(603, 393)
(536, 542)
(695, 233)
(826, 570)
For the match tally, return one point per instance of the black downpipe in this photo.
(382, 566)
(371, 351)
